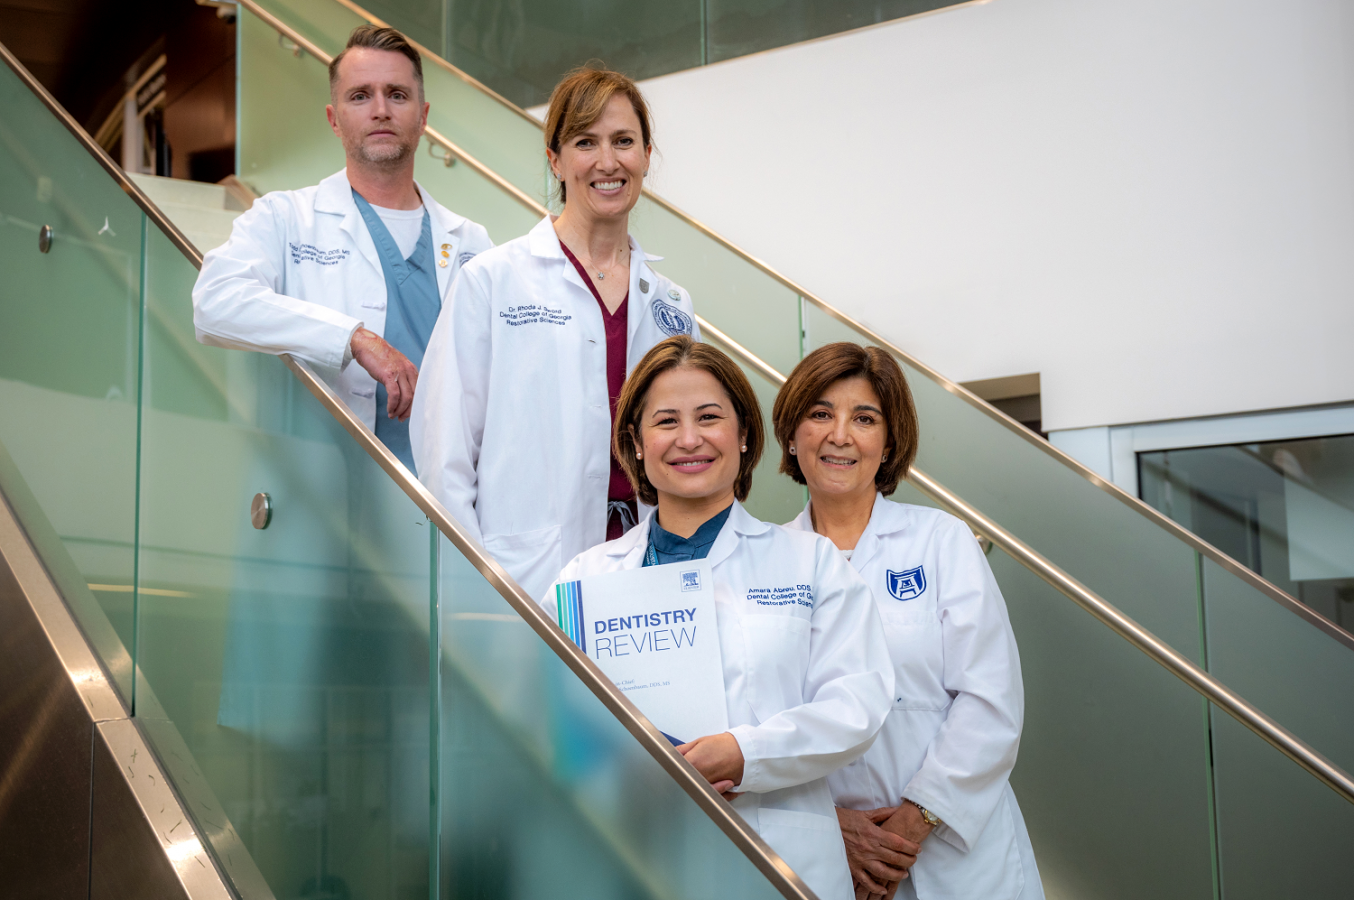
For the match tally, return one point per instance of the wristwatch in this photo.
(931, 818)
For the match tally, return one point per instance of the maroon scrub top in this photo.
(619, 487)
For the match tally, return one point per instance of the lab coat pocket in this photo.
(811, 845)
(531, 557)
(916, 644)
(777, 649)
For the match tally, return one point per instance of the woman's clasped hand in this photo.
(879, 855)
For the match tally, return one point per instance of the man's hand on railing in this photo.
(390, 367)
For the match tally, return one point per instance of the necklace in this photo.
(601, 276)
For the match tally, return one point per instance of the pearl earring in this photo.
(638, 455)
(745, 448)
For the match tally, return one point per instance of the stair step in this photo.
(194, 218)
(178, 190)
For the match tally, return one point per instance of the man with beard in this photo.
(356, 268)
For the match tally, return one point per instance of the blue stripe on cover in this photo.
(569, 612)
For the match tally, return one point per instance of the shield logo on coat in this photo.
(907, 584)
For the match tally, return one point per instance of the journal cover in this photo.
(653, 632)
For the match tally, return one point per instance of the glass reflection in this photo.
(1283, 508)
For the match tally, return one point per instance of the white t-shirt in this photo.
(404, 225)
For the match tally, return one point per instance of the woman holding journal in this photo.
(807, 685)
(511, 425)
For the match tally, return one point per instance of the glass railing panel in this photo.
(1113, 747)
(1306, 853)
(285, 142)
(750, 306)
(69, 359)
(740, 27)
(1301, 676)
(1283, 509)
(543, 791)
(523, 49)
(291, 662)
(520, 50)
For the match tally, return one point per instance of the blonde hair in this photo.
(581, 98)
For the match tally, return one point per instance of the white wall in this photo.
(1150, 203)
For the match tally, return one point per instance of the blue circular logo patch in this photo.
(671, 320)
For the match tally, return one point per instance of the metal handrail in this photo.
(1198, 544)
(1156, 649)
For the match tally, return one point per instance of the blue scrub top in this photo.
(412, 307)
(666, 547)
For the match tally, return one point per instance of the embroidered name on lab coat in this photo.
(310, 253)
(795, 594)
(533, 314)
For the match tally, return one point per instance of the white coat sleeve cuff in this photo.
(753, 771)
(348, 347)
(944, 831)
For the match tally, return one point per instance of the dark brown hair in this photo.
(826, 366)
(665, 356)
(379, 37)
(581, 98)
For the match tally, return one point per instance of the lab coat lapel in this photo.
(884, 521)
(335, 196)
(444, 225)
(739, 524)
(643, 285)
(546, 244)
(881, 524)
(627, 551)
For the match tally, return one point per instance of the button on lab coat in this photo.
(511, 425)
(300, 274)
(806, 688)
(950, 741)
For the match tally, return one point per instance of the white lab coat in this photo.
(807, 688)
(511, 427)
(300, 274)
(950, 741)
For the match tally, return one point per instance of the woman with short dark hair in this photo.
(928, 810)
(807, 677)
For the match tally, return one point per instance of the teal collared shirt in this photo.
(666, 547)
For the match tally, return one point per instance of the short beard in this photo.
(386, 156)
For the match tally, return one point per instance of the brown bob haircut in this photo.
(379, 37)
(581, 98)
(665, 356)
(826, 366)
